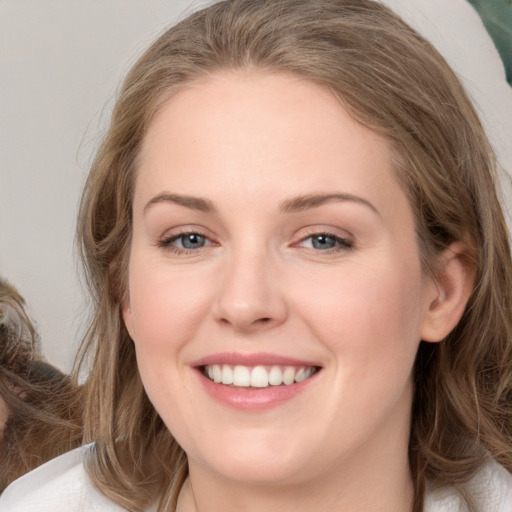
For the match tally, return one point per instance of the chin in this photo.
(263, 462)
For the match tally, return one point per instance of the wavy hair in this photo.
(391, 80)
(44, 412)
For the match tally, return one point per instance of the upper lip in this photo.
(255, 359)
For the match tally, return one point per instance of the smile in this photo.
(241, 376)
(255, 382)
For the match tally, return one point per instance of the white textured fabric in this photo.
(62, 485)
(491, 488)
(458, 34)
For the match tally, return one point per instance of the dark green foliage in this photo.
(497, 18)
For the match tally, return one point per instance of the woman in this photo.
(301, 273)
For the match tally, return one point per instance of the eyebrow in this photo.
(194, 203)
(301, 203)
(295, 204)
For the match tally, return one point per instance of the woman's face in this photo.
(276, 299)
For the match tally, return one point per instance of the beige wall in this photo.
(60, 64)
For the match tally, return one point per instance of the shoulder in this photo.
(60, 485)
(491, 488)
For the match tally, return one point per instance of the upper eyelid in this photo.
(184, 233)
(313, 230)
(176, 232)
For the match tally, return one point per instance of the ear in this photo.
(126, 313)
(448, 293)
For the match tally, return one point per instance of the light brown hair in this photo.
(389, 79)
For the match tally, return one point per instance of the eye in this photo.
(326, 242)
(185, 242)
(189, 241)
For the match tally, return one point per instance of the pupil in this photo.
(323, 242)
(193, 241)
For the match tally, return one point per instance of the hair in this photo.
(394, 82)
(44, 414)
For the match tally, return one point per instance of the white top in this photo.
(62, 485)
(491, 488)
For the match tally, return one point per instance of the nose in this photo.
(251, 298)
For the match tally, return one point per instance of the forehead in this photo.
(256, 134)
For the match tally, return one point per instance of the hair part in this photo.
(394, 82)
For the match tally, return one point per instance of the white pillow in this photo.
(456, 30)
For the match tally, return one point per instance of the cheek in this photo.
(369, 318)
(163, 308)
(166, 311)
(163, 321)
(369, 321)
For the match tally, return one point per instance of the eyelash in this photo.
(166, 243)
(342, 244)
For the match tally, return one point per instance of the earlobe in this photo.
(449, 294)
(126, 313)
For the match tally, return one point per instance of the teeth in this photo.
(257, 376)
(217, 373)
(275, 376)
(227, 375)
(241, 376)
(289, 375)
(301, 375)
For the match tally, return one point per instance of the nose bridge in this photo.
(250, 297)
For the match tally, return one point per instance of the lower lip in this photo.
(253, 398)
